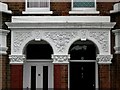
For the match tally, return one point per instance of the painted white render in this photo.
(4, 8)
(116, 8)
(117, 41)
(60, 32)
(3, 46)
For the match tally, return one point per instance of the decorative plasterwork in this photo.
(19, 38)
(60, 39)
(104, 59)
(16, 59)
(60, 59)
(83, 34)
(37, 35)
(103, 39)
(60, 32)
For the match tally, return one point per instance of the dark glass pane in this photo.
(83, 4)
(45, 77)
(33, 77)
(39, 51)
(82, 52)
(82, 76)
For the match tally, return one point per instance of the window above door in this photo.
(37, 7)
(83, 7)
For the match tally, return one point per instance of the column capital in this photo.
(60, 59)
(104, 59)
(17, 59)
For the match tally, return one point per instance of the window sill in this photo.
(83, 12)
(41, 12)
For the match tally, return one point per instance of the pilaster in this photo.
(3, 47)
(117, 41)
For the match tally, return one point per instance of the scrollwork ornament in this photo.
(19, 38)
(104, 59)
(102, 38)
(60, 39)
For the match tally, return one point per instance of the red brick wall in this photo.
(61, 77)
(3, 81)
(115, 73)
(60, 8)
(104, 77)
(61, 71)
(104, 8)
(16, 76)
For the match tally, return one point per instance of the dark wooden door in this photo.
(82, 75)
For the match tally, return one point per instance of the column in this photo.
(104, 62)
(3, 58)
(115, 68)
(16, 71)
(60, 71)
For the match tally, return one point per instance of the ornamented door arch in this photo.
(60, 35)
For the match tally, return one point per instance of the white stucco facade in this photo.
(60, 32)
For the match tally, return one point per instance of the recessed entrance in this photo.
(38, 68)
(83, 67)
(82, 75)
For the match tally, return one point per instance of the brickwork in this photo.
(109, 76)
(104, 8)
(16, 76)
(61, 77)
(60, 8)
(115, 17)
(16, 7)
(104, 77)
(3, 74)
(4, 59)
(115, 73)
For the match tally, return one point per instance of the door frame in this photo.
(96, 71)
(36, 62)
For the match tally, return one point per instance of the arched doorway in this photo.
(38, 68)
(83, 66)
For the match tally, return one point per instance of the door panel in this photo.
(45, 77)
(38, 75)
(33, 77)
(82, 75)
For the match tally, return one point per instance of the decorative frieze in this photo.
(102, 38)
(60, 39)
(60, 59)
(104, 59)
(17, 59)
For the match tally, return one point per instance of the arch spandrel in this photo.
(22, 38)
